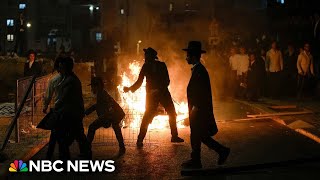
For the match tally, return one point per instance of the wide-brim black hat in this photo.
(194, 46)
(150, 51)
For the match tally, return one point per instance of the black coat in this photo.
(70, 101)
(256, 73)
(34, 70)
(107, 108)
(199, 95)
(157, 76)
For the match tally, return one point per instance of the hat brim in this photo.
(193, 50)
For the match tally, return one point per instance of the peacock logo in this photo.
(18, 166)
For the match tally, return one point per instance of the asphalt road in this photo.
(266, 147)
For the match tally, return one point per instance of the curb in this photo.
(301, 131)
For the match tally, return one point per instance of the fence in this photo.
(130, 124)
(32, 114)
(32, 111)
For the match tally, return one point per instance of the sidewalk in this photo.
(306, 124)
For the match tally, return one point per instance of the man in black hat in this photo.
(70, 107)
(157, 76)
(109, 113)
(202, 122)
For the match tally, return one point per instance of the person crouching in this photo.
(109, 113)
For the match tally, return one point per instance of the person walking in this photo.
(202, 121)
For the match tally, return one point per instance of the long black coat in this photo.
(256, 73)
(199, 95)
(70, 101)
(35, 69)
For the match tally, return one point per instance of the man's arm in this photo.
(90, 109)
(281, 61)
(67, 86)
(267, 63)
(299, 65)
(166, 76)
(139, 82)
(311, 66)
(48, 95)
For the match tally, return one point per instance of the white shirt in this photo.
(274, 61)
(233, 61)
(30, 64)
(305, 63)
(243, 64)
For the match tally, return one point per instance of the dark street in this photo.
(253, 142)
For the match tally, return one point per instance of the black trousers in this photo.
(98, 123)
(302, 85)
(65, 136)
(199, 134)
(152, 102)
(274, 84)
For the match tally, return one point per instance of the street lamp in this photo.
(28, 25)
(91, 8)
(138, 47)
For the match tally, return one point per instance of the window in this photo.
(171, 7)
(10, 37)
(280, 1)
(122, 11)
(98, 36)
(10, 22)
(22, 6)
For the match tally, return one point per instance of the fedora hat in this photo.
(194, 46)
(150, 51)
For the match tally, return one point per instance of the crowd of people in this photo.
(271, 73)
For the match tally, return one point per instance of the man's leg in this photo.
(61, 136)
(84, 145)
(117, 130)
(146, 120)
(152, 103)
(51, 145)
(195, 137)
(300, 86)
(92, 129)
(166, 102)
(216, 146)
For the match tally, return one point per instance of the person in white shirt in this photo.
(274, 66)
(305, 69)
(233, 63)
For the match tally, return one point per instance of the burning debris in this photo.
(135, 103)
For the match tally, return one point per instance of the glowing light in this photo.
(135, 102)
(29, 25)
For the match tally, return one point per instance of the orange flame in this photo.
(134, 103)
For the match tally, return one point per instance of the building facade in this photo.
(52, 25)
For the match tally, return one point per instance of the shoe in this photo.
(192, 164)
(177, 140)
(223, 156)
(139, 144)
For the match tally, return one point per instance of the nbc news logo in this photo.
(18, 166)
(57, 166)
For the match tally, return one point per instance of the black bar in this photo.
(239, 169)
